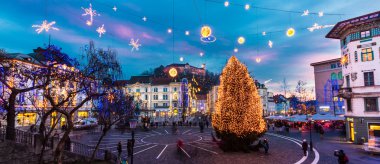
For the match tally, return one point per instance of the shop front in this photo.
(351, 129)
(26, 119)
(374, 134)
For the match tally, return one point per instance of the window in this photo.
(340, 77)
(333, 66)
(339, 64)
(146, 89)
(129, 90)
(155, 90)
(165, 97)
(368, 79)
(356, 56)
(165, 89)
(165, 104)
(146, 97)
(174, 104)
(333, 76)
(348, 81)
(367, 54)
(137, 90)
(349, 105)
(175, 89)
(155, 104)
(155, 97)
(365, 34)
(370, 104)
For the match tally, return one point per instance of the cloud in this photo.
(153, 38)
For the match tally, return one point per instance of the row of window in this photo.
(370, 104)
(154, 90)
(369, 79)
(366, 55)
(335, 76)
(164, 105)
(360, 35)
(155, 97)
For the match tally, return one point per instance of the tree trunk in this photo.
(11, 117)
(59, 150)
(105, 130)
(45, 136)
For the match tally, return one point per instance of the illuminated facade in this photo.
(360, 57)
(28, 104)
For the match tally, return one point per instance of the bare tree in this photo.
(285, 87)
(301, 90)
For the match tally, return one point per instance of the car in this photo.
(86, 123)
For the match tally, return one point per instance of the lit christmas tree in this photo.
(238, 118)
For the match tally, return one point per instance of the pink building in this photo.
(328, 79)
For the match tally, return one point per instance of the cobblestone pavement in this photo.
(159, 146)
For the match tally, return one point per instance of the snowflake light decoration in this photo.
(101, 30)
(89, 11)
(320, 14)
(135, 44)
(305, 13)
(270, 43)
(318, 27)
(45, 26)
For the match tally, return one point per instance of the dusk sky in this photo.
(289, 57)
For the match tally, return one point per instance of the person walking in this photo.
(266, 146)
(119, 149)
(342, 157)
(201, 126)
(129, 147)
(207, 123)
(304, 147)
(321, 132)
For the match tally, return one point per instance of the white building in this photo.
(360, 39)
(271, 105)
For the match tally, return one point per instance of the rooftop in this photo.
(325, 62)
(337, 31)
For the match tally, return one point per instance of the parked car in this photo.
(86, 123)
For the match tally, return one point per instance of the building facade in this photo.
(328, 79)
(360, 58)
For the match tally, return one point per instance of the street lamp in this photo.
(311, 139)
(132, 125)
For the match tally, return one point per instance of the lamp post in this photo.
(311, 139)
(132, 125)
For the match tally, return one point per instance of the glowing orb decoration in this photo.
(170, 30)
(226, 4)
(246, 6)
(206, 31)
(173, 72)
(208, 39)
(258, 60)
(236, 50)
(203, 65)
(201, 54)
(241, 40)
(181, 59)
(187, 33)
(290, 32)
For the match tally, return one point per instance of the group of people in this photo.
(130, 145)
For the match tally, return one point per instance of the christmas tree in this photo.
(238, 118)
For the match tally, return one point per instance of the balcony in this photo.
(345, 93)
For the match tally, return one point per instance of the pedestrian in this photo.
(201, 126)
(129, 147)
(321, 132)
(304, 146)
(119, 149)
(266, 146)
(207, 123)
(342, 157)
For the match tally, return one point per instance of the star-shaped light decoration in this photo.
(144, 19)
(89, 11)
(270, 43)
(45, 26)
(101, 30)
(114, 8)
(305, 13)
(320, 14)
(318, 27)
(134, 44)
(264, 33)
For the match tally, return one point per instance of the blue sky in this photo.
(289, 57)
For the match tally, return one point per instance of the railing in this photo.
(86, 150)
(20, 136)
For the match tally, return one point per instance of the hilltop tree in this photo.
(238, 115)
